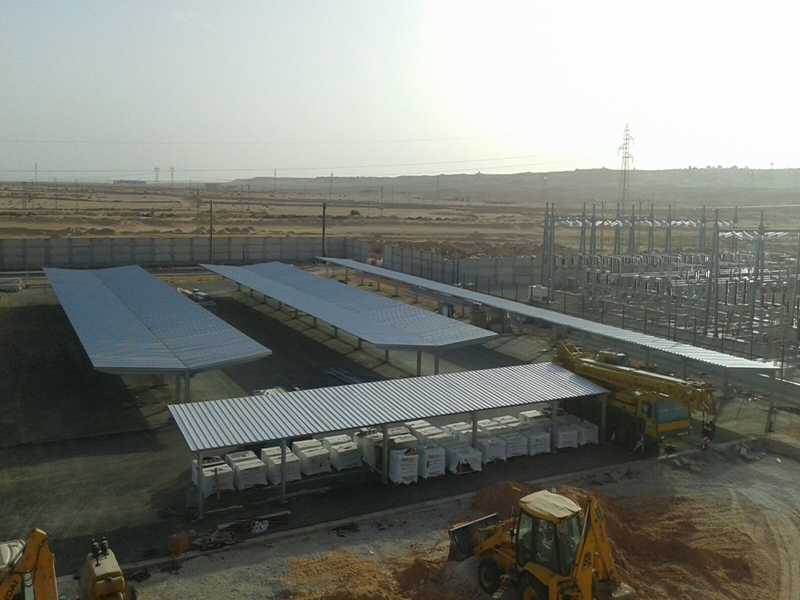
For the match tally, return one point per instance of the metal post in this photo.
(385, 449)
(436, 362)
(603, 418)
(769, 427)
(396, 289)
(200, 485)
(419, 363)
(565, 302)
(177, 389)
(359, 343)
(602, 311)
(685, 366)
(553, 414)
(187, 387)
(335, 332)
(647, 357)
(645, 320)
(623, 315)
(416, 297)
(362, 278)
(474, 416)
(283, 471)
(386, 356)
(314, 320)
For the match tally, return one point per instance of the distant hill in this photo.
(712, 186)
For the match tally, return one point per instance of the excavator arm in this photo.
(33, 569)
(594, 573)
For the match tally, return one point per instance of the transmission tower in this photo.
(624, 180)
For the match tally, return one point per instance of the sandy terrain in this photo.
(498, 215)
(718, 528)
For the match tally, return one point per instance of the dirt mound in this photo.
(339, 574)
(500, 498)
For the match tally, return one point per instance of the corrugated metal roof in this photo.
(615, 333)
(129, 321)
(256, 419)
(380, 321)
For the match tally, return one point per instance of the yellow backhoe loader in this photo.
(28, 572)
(644, 408)
(549, 551)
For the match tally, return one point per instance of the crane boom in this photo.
(32, 566)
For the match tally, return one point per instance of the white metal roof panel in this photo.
(255, 419)
(128, 321)
(615, 333)
(380, 321)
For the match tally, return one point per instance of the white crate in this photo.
(272, 458)
(455, 429)
(425, 433)
(509, 421)
(300, 445)
(528, 416)
(492, 449)
(345, 456)
(208, 461)
(216, 478)
(516, 444)
(538, 442)
(483, 423)
(432, 462)
(362, 438)
(399, 430)
(249, 473)
(314, 461)
(438, 439)
(588, 433)
(568, 420)
(463, 459)
(403, 466)
(405, 440)
(233, 457)
(413, 426)
(566, 436)
(335, 440)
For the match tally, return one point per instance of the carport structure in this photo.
(727, 364)
(128, 322)
(219, 424)
(382, 322)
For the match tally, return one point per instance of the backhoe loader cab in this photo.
(551, 551)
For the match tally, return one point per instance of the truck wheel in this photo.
(625, 435)
(531, 588)
(489, 576)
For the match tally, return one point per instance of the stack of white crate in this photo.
(432, 462)
(248, 470)
(463, 459)
(344, 453)
(492, 449)
(566, 436)
(314, 458)
(217, 476)
(538, 441)
(516, 444)
(403, 465)
(272, 458)
(588, 433)
(367, 443)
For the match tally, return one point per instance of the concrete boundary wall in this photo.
(485, 273)
(86, 252)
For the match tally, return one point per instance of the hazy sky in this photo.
(380, 88)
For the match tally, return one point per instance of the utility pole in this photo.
(210, 226)
(617, 232)
(274, 181)
(330, 189)
(36, 172)
(156, 169)
(172, 177)
(650, 231)
(624, 179)
(324, 217)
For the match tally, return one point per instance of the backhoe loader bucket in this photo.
(461, 546)
(609, 591)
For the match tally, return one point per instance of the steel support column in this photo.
(283, 471)
(553, 416)
(419, 363)
(603, 418)
(200, 485)
(385, 455)
(436, 362)
(474, 416)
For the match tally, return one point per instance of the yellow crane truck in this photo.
(548, 550)
(28, 572)
(644, 408)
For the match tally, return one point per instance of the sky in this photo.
(220, 90)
